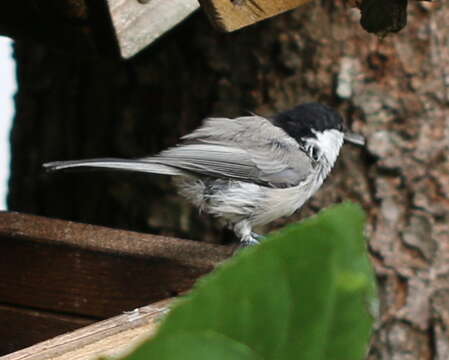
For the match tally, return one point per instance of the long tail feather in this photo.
(116, 164)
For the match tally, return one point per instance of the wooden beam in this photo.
(230, 15)
(138, 23)
(93, 271)
(112, 337)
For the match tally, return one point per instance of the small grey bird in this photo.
(250, 170)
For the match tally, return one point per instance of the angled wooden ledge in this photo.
(58, 275)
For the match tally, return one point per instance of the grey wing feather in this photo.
(247, 148)
(209, 159)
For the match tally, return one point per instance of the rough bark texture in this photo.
(394, 90)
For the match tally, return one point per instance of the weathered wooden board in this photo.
(139, 23)
(21, 327)
(230, 15)
(112, 337)
(92, 272)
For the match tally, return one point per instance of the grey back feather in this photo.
(247, 148)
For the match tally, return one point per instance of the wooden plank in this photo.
(89, 270)
(99, 238)
(22, 327)
(230, 15)
(138, 23)
(112, 337)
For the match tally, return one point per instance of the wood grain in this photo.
(138, 24)
(112, 337)
(230, 15)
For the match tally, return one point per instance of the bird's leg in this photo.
(243, 230)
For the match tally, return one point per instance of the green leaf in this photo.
(303, 294)
(194, 346)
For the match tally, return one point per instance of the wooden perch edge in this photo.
(112, 337)
(98, 238)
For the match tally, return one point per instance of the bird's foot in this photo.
(247, 238)
(248, 241)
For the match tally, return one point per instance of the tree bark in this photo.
(394, 90)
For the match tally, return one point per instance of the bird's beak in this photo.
(354, 138)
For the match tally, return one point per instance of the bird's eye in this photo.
(314, 153)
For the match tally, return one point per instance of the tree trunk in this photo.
(394, 90)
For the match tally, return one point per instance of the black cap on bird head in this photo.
(299, 121)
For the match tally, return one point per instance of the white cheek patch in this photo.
(329, 143)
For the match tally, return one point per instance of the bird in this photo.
(249, 170)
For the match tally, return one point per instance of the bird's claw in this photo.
(248, 242)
